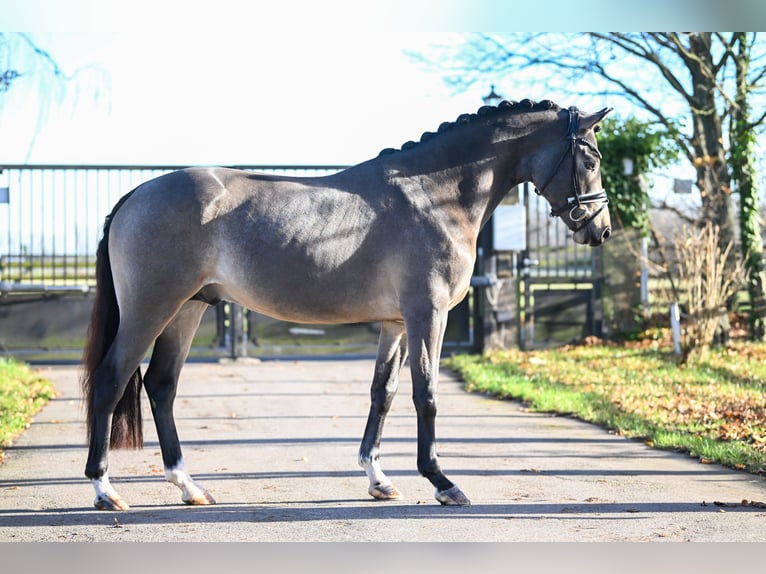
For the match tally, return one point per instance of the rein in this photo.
(575, 202)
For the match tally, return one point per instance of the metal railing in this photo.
(51, 218)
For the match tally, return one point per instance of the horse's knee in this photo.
(425, 406)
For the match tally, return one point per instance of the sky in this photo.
(216, 99)
(257, 82)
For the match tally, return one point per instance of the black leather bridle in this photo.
(574, 203)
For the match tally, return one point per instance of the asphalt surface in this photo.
(276, 444)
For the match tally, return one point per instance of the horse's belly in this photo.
(321, 310)
(292, 294)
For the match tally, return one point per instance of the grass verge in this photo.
(22, 394)
(714, 410)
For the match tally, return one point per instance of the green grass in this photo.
(22, 394)
(715, 410)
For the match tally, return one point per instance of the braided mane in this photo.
(505, 106)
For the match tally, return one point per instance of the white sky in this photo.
(227, 82)
(217, 99)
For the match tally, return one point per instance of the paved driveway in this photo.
(276, 444)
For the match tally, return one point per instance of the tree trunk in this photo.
(743, 171)
(713, 178)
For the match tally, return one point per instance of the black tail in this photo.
(127, 427)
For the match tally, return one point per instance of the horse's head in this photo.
(568, 175)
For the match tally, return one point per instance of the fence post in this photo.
(237, 332)
(675, 327)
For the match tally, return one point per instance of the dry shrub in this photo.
(709, 278)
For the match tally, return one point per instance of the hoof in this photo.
(110, 503)
(452, 497)
(200, 499)
(384, 492)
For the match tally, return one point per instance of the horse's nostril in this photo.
(606, 234)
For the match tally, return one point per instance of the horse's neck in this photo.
(472, 180)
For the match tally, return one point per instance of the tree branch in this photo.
(665, 206)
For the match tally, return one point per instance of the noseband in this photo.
(575, 202)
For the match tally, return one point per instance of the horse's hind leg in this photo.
(161, 382)
(116, 371)
(392, 352)
(111, 379)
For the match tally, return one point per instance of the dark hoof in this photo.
(452, 497)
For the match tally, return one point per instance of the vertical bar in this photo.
(675, 327)
(563, 248)
(21, 192)
(237, 332)
(645, 274)
(10, 233)
(73, 244)
(33, 201)
(55, 271)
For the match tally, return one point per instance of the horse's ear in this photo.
(588, 121)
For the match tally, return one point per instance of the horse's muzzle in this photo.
(592, 235)
(600, 240)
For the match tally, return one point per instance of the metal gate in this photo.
(559, 281)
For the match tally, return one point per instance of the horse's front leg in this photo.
(425, 333)
(392, 352)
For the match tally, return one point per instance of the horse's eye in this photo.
(590, 165)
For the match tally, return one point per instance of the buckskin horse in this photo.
(390, 240)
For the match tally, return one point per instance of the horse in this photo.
(389, 240)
